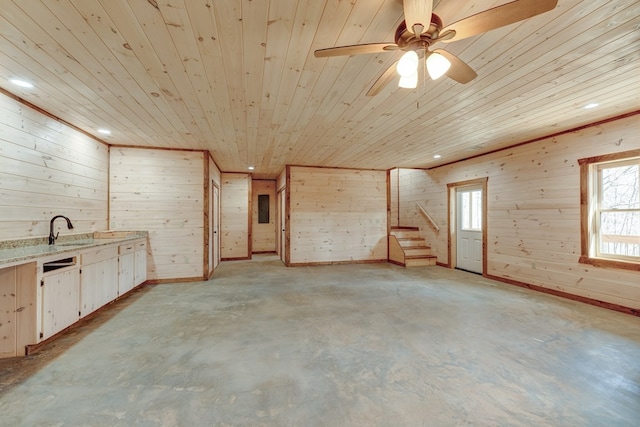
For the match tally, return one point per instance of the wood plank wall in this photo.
(533, 211)
(48, 168)
(337, 215)
(161, 191)
(263, 235)
(235, 216)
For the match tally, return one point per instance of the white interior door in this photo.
(282, 224)
(211, 229)
(469, 229)
(216, 226)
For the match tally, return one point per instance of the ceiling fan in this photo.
(421, 28)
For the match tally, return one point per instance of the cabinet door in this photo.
(60, 301)
(98, 285)
(7, 312)
(140, 260)
(125, 273)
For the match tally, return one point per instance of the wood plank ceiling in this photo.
(238, 77)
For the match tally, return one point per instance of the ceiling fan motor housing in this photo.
(406, 40)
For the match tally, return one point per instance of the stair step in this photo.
(406, 233)
(413, 243)
(417, 251)
(420, 261)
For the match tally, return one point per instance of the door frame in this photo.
(215, 220)
(281, 248)
(452, 193)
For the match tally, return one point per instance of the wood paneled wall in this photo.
(533, 213)
(263, 235)
(48, 168)
(337, 215)
(161, 191)
(235, 213)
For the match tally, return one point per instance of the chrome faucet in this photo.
(53, 237)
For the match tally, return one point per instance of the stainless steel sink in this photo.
(59, 263)
(75, 243)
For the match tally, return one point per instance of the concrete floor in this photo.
(347, 345)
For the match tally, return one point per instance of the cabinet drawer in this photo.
(98, 255)
(126, 249)
(141, 245)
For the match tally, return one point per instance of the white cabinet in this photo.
(140, 261)
(7, 312)
(46, 295)
(60, 297)
(99, 278)
(126, 273)
(18, 318)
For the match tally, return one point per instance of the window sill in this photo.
(610, 263)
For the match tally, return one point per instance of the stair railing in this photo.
(426, 214)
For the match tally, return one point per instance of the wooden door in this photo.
(60, 301)
(140, 264)
(469, 211)
(126, 271)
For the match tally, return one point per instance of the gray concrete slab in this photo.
(345, 345)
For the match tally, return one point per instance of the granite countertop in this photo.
(20, 251)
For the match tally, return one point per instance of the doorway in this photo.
(264, 222)
(467, 230)
(214, 226)
(282, 235)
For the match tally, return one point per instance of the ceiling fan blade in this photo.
(498, 17)
(417, 12)
(384, 79)
(459, 70)
(355, 49)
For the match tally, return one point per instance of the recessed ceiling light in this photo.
(436, 156)
(21, 83)
(251, 168)
(104, 131)
(592, 105)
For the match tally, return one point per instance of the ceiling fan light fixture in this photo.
(437, 65)
(408, 64)
(409, 82)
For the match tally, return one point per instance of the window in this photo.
(471, 214)
(610, 210)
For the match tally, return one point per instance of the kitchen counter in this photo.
(44, 289)
(13, 252)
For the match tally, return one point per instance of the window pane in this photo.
(620, 187)
(466, 214)
(476, 210)
(620, 233)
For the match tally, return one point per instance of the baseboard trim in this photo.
(310, 264)
(245, 258)
(176, 280)
(567, 295)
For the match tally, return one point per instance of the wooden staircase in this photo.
(408, 249)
